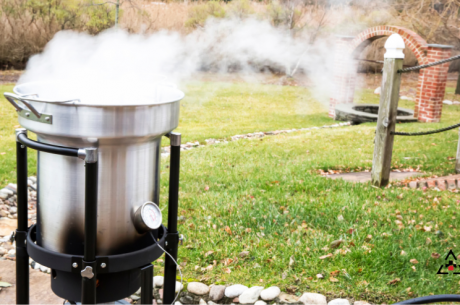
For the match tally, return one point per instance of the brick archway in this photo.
(431, 81)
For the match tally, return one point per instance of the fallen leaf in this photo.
(435, 255)
(326, 256)
(248, 230)
(319, 276)
(335, 273)
(368, 238)
(291, 261)
(395, 281)
(227, 270)
(244, 253)
(413, 268)
(209, 268)
(340, 217)
(2, 153)
(350, 231)
(208, 253)
(228, 230)
(414, 261)
(426, 228)
(428, 241)
(335, 243)
(5, 284)
(403, 252)
(228, 261)
(206, 188)
(333, 279)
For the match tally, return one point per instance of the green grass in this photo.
(275, 205)
(221, 110)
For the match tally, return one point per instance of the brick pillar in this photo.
(344, 74)
(432, 85)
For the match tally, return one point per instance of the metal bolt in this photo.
(25, 242)
(166, 243)
(27, 114)
(75, 265)
(103, 265)
(22, 146)
(386, 122)
(47, 118)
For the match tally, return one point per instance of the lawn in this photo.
(265, 196)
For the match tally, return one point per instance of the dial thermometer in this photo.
(147, 217)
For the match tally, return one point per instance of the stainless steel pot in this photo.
(128, 138)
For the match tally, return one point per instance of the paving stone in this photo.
(217, 292)
(7, 226)
(413, 184)
(366, 176)
(431, 183)
(451, 184)
(251, 295)
(339, 302)
(442, 184)
(309, 298)
(361, 303)
(198, 288)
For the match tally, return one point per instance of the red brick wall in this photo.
(432, 85)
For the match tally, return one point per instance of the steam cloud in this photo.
(117, 66)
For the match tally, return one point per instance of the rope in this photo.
(424, 132)
(429, 65)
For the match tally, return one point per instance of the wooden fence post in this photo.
(389, 97)
(457, 162)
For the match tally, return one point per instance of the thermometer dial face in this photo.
(151, 215)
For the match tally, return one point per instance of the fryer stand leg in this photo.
(172, 240)
(22, 257)
(89, 274)
(147, 284)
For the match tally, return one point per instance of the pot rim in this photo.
(76, 101)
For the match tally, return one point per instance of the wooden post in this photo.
(389, 97)
(457, 162)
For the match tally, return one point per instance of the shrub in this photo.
(27, 25)
(201, 12)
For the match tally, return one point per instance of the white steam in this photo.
(117, 67)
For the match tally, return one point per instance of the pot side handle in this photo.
(12, 98)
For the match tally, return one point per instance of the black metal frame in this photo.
(89, 262)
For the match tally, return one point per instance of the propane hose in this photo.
(432, 299)
(178, 267)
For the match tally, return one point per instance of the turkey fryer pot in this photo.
(120, 144)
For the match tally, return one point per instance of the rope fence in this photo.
(423, 133)
(415, 68)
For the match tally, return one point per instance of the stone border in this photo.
(255, 135)
(438, 183)
(202, 294)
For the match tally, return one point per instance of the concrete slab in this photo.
(40, 286)
(366, 176)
